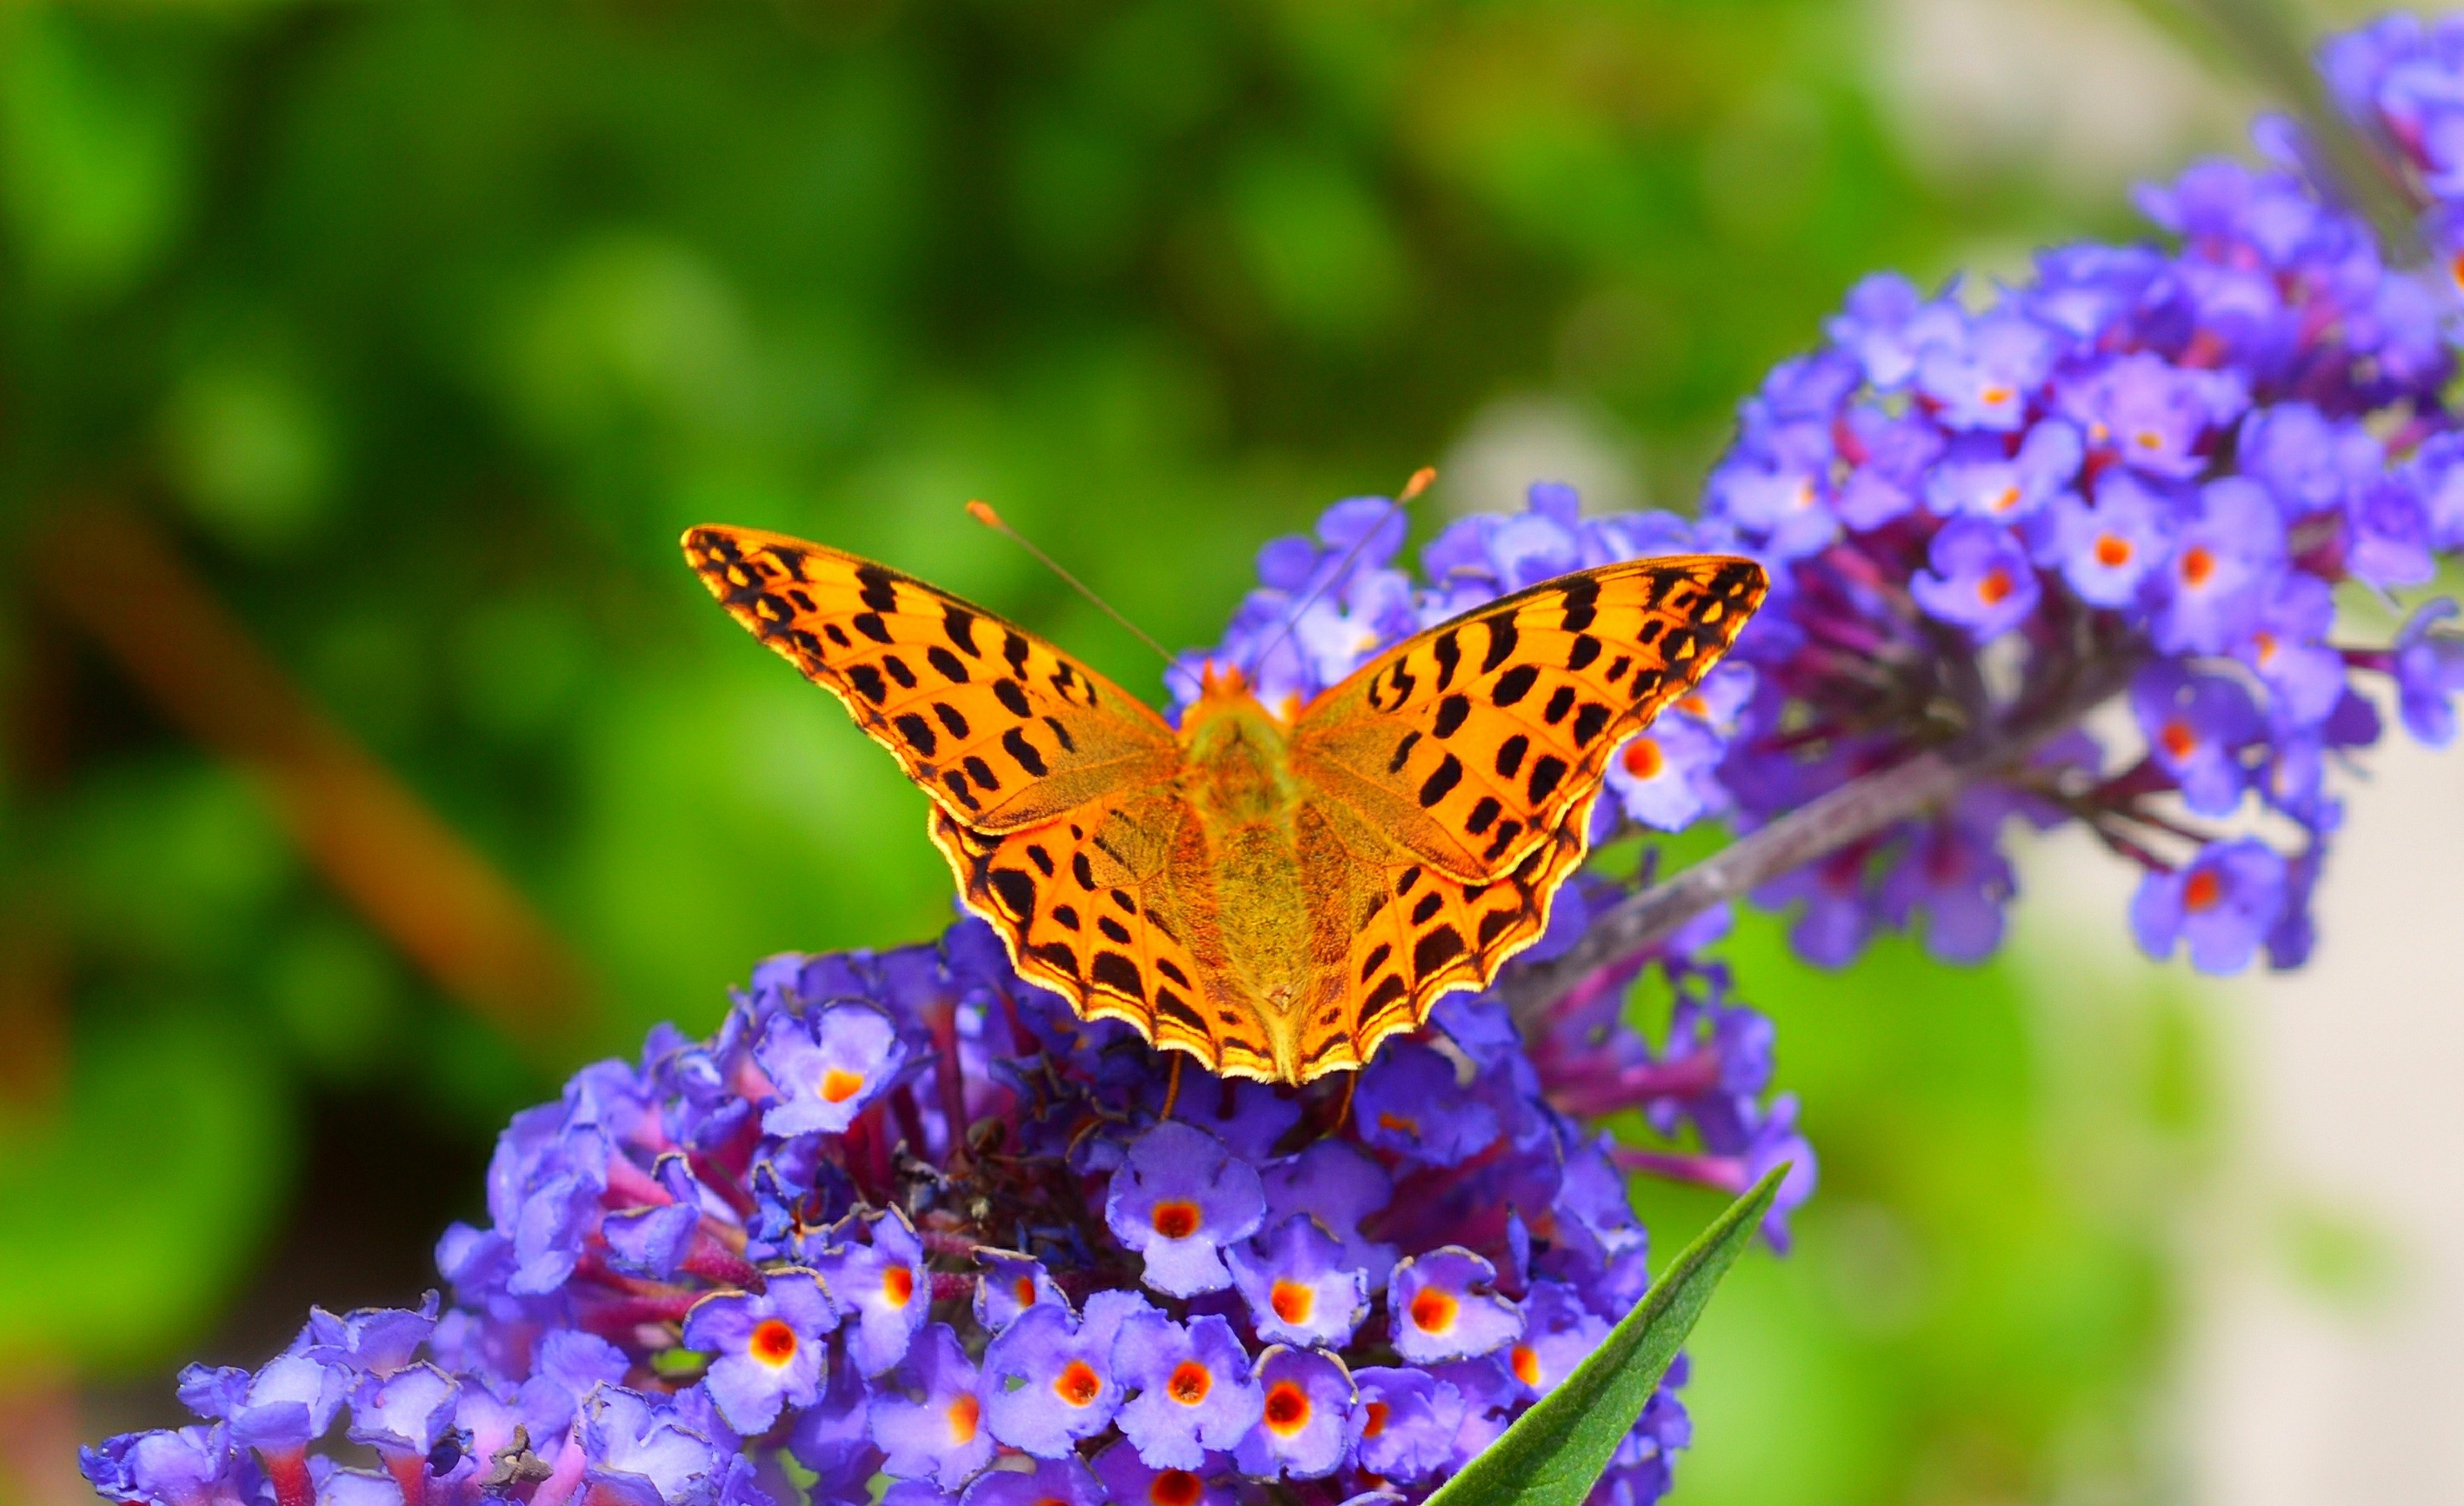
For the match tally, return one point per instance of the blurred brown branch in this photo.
(414, 877)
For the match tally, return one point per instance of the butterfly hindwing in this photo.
(1469, 743)
(1087, 909)
(999, 726)
(1426, 934)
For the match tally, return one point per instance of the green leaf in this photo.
(1555, 1453)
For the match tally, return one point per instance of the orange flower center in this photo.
(1190, 1383)
(2004, 500)
(2148, 439)
(1994, 397)
(1024, 1291)
(1293, 1301)
(1995, 587)
(963, 1415)
(2178, 739)
(1176, 1487)
(774, 1342)
(1288, 1408)
(1696, 705)
(2112, 551)
(838, 1085)
(1398, 1124)
(2203, 890)
(1376, 1423)
(1078, 1384)
(1433, 1312)
(1527, 1364)
(898, 1284)
(1176, 1220)
(1644, 758)
(2455, 269)
(2197, 564)
(2264, 642)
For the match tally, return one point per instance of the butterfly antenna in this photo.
(1413, 487)
(982, 513)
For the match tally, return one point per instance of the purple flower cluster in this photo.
(2141, 473)
(905, 1222)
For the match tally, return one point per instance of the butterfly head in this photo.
(1222, 681)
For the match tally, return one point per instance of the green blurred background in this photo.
(371, 759)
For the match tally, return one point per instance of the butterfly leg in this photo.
(1172, 1090)
(1343, 1114)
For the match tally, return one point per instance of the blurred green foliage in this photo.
(425, 327)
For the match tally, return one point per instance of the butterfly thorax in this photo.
(1254, 835)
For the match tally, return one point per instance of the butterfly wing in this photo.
(1469, 744)
(1094, 906)
(1423, 935)
(999, 726)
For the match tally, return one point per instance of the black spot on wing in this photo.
(1068, 744)
(868, 684)
(1016, 889)
(1012, 696)
(958, 626)
(1585, 649)
(1113, 929)
(1059, 955)
(1513, 684)
(871, 626)
(1588, 723)
(1582, 603)
(1502, 638)
(946, 665)
(1507, 831)
(1427, 909)
(1377, 959)
(1443, 778)
(1389, 991)
(1546, 772)
(951, 720)
(1509, 755)
(980, 772)
(1561, 702)
(1119, 973)
(1015, 744)
(1451, 712)
(1481, 814)
(917, 732)
(877, 589)
(1449, 654)
(1436, 948)
(899, 671)
(1403, 750)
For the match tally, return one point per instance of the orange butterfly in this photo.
(1273, 897)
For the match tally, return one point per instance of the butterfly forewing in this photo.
(1469, 743)
(1003, 729)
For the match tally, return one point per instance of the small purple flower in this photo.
(1062, 1481)
(1442, 1307)
(1309, 1420)
(2197, 725)
(1558, 1334)
(883, 1284)
(2223, 567)
(184, 1467)
(2154, 415)
(827, 1067)
(1194, 1392)
(2225, 904)
(2429, 671)
(1983, 477)
(1337, 1186)
(1980, 579)
(2106, 550)
(1409, 1422)
(1410, 1101)
(289, 1403)
(634, 1445)
(1985, 379)
(1299, 1287)
(2286, 648)
(402, 1415)
(928, 1419)
(2387, 535)
(1132, 1481)
(1010, 1285)
(768, 1346)
(1667, 777)
(1177, 1200)
(1049, 1378)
